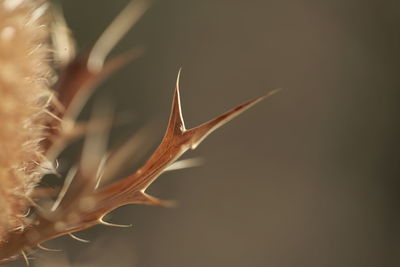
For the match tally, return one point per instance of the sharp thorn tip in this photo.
(78, 238)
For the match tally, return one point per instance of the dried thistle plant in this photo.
(38, 120)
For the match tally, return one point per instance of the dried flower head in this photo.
(25, 97)
(37, 123)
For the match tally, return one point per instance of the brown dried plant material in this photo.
(82, 202)
(24, 98)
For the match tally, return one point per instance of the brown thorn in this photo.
(67, 182)
(25, 257)
(101, 221)
(28, 210)
(47, 249)
(199, 133)
(101, 170)
(144, 198)
(52, 115)
(176, 124)
(185, 164)
(78, 238)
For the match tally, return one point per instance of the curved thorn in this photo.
(113, 224)
(25, 214)
(178, 101)
(185, 164)
(47, 249)
(178, 78)
(25, 257)
(176, 124)
(57, 163)
(78, 238)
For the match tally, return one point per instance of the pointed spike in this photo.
(177, 106)
(199, 133)
(101, 170)
(25, 257)
(28, 211)
(78, 238)
(176, 124)
(178, 78)
(101, 221)
(47, 249)
(185, 164)
(144, 198)
(67, 182)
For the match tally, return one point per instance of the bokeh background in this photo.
(309, 177)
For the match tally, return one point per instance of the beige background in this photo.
(308, 178)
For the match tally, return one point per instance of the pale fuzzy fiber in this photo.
(24, 95)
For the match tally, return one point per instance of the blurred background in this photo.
(309, 177)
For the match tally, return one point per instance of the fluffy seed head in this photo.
(24, 95)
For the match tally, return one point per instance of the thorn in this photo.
(177, 101)
(25, 257)
(142, 197)
(47, 249)
(199, 133)
(101, 170)
(52, 115)
(78, 238)
(28, 210)
(113, 224)
(176, 124)
(20, 228)
(57, 164)
(178, 78)
(184, 164)
(68, 180)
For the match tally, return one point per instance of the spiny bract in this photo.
(37, 123)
